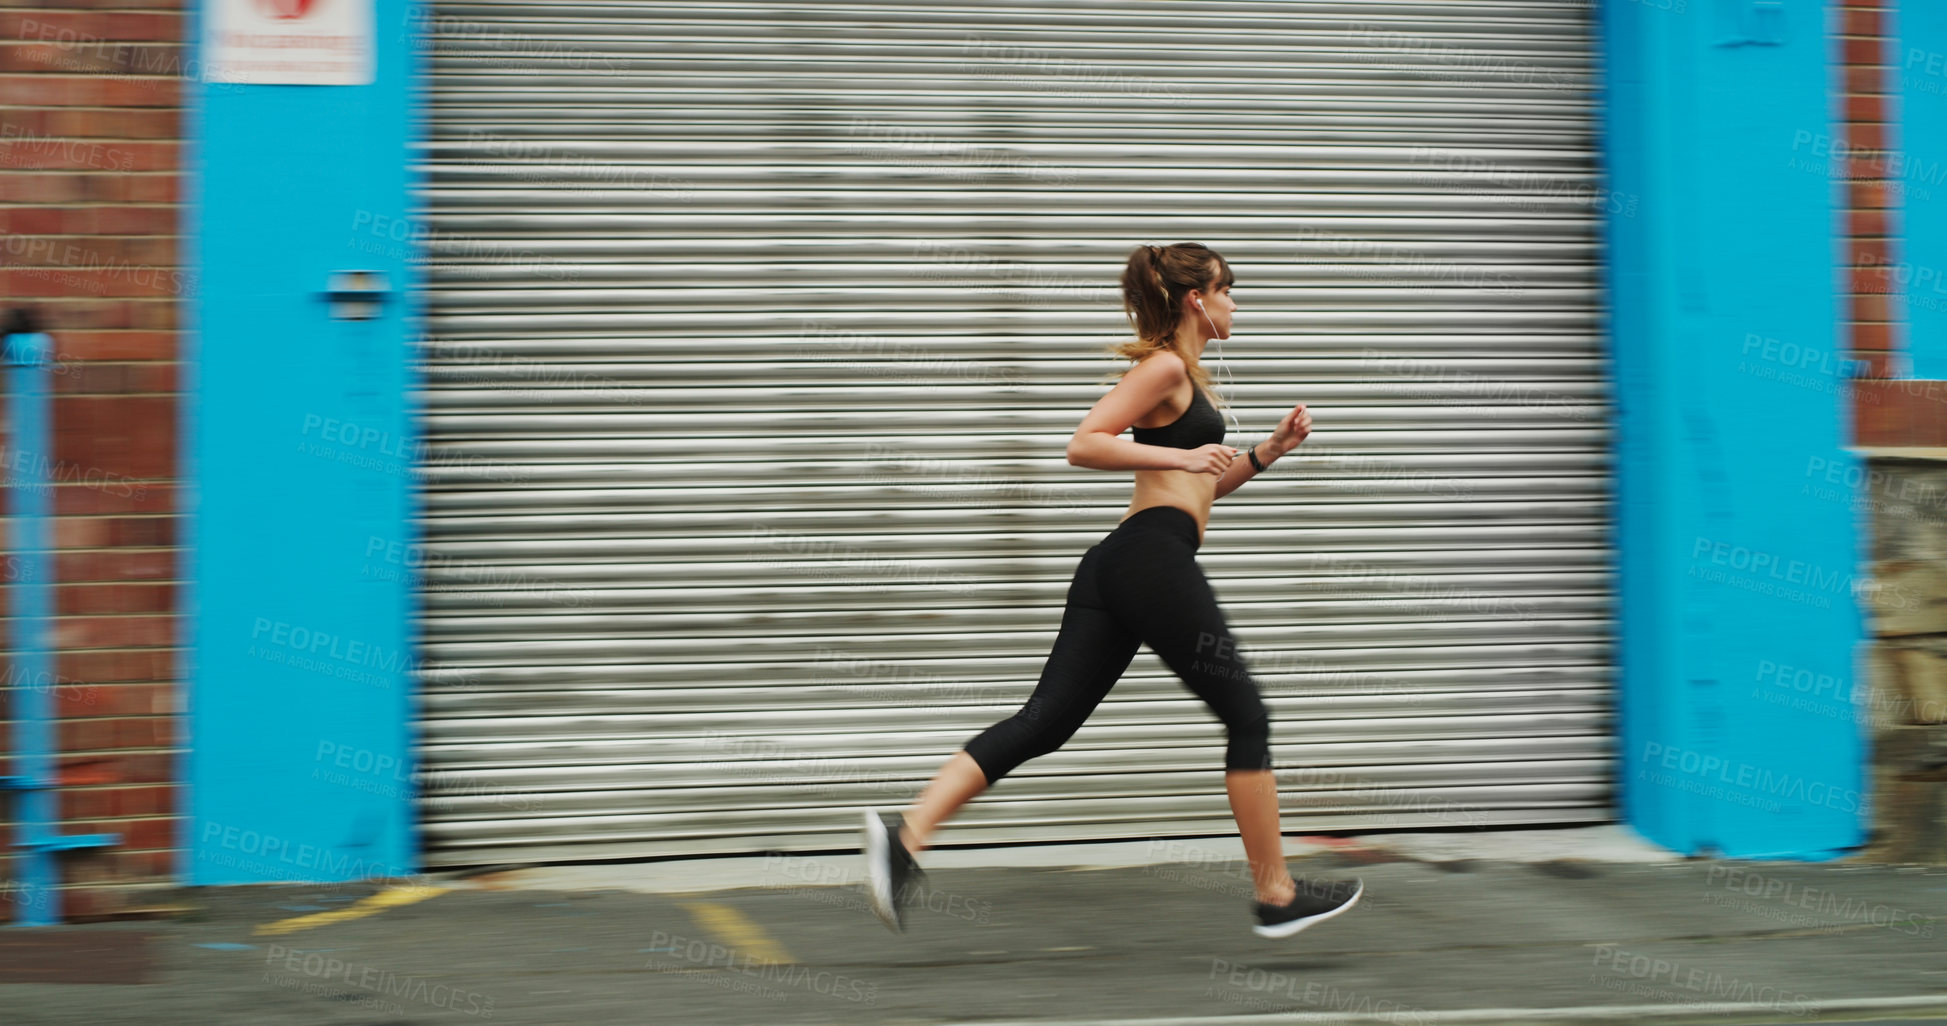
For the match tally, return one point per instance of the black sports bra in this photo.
(1201, 424)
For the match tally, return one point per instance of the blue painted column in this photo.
(301, 445)
(1920, 171)
(1739, 547)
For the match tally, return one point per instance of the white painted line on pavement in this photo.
(1573, 1014)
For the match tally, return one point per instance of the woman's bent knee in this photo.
(989, 773)
(1003, 747)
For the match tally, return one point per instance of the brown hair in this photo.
(1153, 285)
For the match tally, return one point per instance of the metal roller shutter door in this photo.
(756, 332)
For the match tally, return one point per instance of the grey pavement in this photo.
(1517, 927)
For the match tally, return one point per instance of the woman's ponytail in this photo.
(1146, 295)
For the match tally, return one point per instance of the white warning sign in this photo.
(288, 42)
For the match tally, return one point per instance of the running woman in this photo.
(1141, 584)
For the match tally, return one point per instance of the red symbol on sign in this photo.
(286, 8)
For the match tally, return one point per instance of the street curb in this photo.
(1621, 1015)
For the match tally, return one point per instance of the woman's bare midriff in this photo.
(1191, 493)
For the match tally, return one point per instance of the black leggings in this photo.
(1139, 584)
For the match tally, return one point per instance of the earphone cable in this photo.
(1225, 365)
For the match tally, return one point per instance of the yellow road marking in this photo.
(390, 898)
(738, 931)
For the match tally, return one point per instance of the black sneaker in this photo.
(1315, 902)
(889, 868)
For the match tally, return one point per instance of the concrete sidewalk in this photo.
(1533, 926)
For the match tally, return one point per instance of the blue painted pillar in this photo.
(1739, 546)
(1920, 174)
(301, 446)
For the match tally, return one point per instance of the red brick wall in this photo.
(1886, 412)
(91, 128)
(1864, 111)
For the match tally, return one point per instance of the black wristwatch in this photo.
(1253, 454)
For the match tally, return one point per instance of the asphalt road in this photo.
(1431, 943)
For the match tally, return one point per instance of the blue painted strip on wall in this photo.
(1920, 61)
(302, 448)
(1738, 542)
